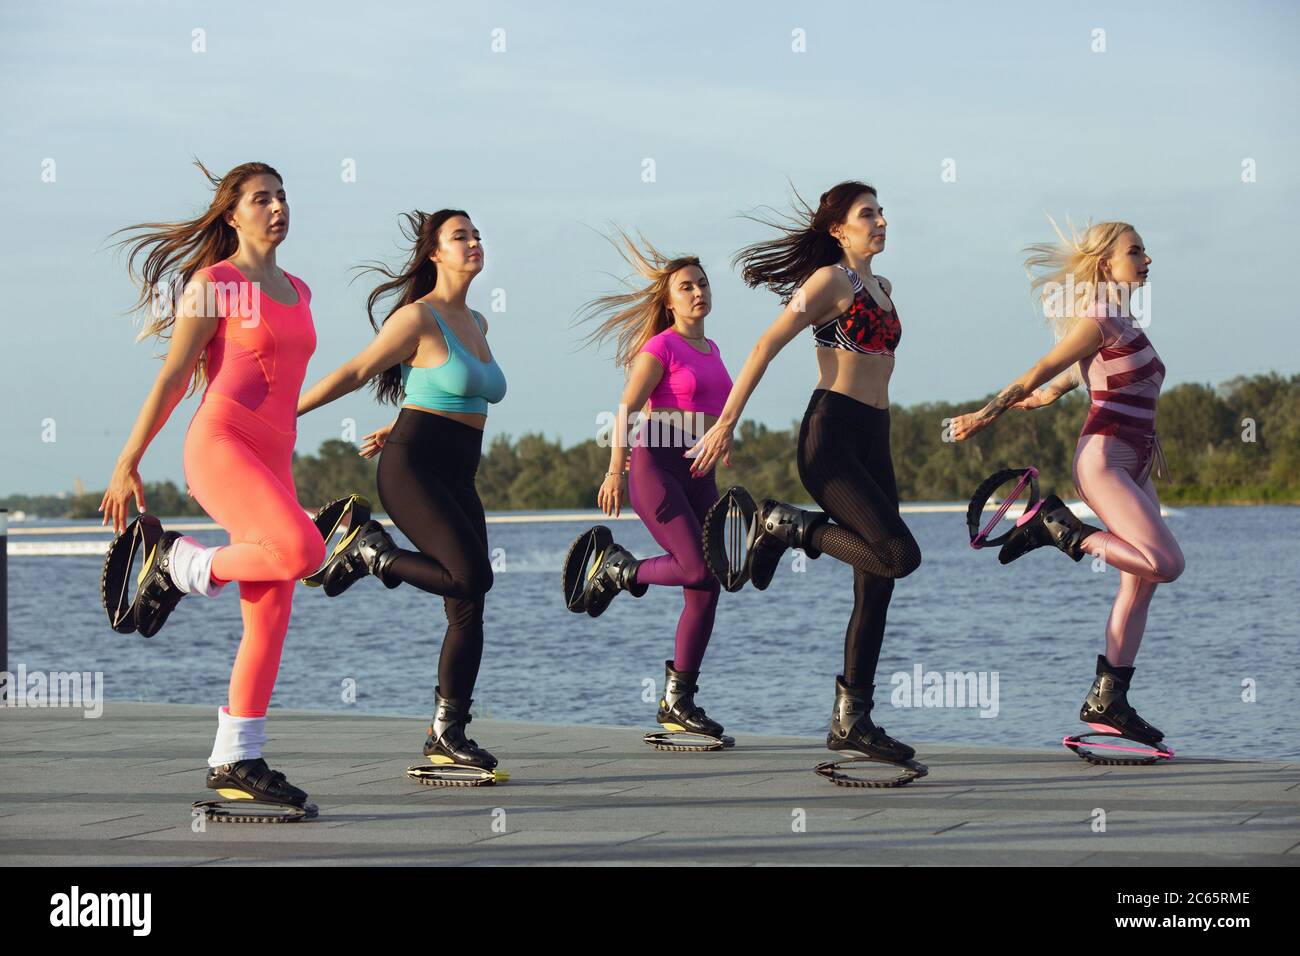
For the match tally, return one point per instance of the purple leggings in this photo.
(673, 504)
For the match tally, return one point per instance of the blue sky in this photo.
(544, 142)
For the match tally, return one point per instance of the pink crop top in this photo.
(692, 380)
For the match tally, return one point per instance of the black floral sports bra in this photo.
(865, 327)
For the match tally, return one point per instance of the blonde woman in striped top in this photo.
(1087, 282)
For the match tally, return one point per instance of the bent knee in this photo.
(696, 573)
(706, 584)
(302, 554)
(475, 580)
(1169, 567)
(907, 559)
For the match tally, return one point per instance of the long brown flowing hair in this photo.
(416, 280)
(805, 244)
(634, 317)
(174, 251)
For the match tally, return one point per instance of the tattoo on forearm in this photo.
(1006, 398)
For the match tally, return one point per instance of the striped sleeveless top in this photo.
(1123, 378)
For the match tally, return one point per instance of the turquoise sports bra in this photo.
(463, 383)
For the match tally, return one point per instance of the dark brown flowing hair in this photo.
(174, 251)
(806, 244)
(636, 316)
(416, 280)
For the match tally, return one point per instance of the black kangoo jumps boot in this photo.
(447, 743)
(677, 707)
(1106, 708)
(852, 728)
(1051, 525)
(778, 527)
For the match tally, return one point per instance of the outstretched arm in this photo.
(1083, 340)
(819, 300)
(395, 342)
(1065, 382)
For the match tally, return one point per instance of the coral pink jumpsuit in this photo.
(238, 463)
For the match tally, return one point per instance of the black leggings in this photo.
(426, 484)
(845, 464)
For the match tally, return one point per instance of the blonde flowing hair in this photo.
(1066, 274)
(638, 315)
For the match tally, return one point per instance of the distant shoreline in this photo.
(19, 524)
(1227, 444)
(51, 526)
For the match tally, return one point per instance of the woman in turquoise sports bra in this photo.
(430, 354)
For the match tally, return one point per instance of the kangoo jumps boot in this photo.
(1050, 524)
(853, 730)
(677, 708)
(1106, 708)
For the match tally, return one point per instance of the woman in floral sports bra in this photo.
(821, 267)
(864, 327)
(1099, 343)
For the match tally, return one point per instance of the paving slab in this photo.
(117, 790)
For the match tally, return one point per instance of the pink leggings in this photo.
(240, 469)
(1138, 542)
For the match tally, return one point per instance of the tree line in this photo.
(1235, 443)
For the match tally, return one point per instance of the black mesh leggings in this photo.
(426, 484)
(845, 464)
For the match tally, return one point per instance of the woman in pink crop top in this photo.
(669, 361)
(1102, 344)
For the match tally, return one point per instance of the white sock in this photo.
(238, 738)
(191, 569)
